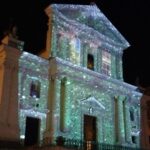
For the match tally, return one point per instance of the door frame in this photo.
(38, 128)
(95, 126)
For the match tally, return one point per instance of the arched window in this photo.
(90, 61)
(35, 89)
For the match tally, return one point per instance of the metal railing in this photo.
(92, 145)
(66, 144)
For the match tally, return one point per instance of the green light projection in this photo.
(32, 68)
(83, 91)
(81, 30)
(81, 85)
(87, 92)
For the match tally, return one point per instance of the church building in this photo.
(73, 89)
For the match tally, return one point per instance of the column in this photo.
(65, 105)
(49, 133)
(62, 104)
(127, 122)
(116, 114)
(121, 120)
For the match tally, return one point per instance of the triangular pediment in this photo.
(93, 101)
(89, 23)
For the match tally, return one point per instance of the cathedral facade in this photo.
(73, 89)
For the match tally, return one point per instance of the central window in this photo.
(106, 63)
(90, 61)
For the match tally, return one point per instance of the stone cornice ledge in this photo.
(99, 76)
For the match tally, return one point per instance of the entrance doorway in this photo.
(32, 131)
(90, 132)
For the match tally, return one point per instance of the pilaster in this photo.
(65, 105)
(121, 125)
(48, 136)
(49, 133)
(62, 104)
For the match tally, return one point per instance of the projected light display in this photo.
(78, 30)
(79, 91)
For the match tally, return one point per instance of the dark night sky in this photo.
(130, 17)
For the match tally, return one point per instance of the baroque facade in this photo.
(74, 88)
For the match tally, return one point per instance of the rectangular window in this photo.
(131, 114)
(35, 89)
(106, 63)
(90, 62)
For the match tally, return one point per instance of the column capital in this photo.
(122, 98)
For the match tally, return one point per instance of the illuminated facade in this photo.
(75, 87)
